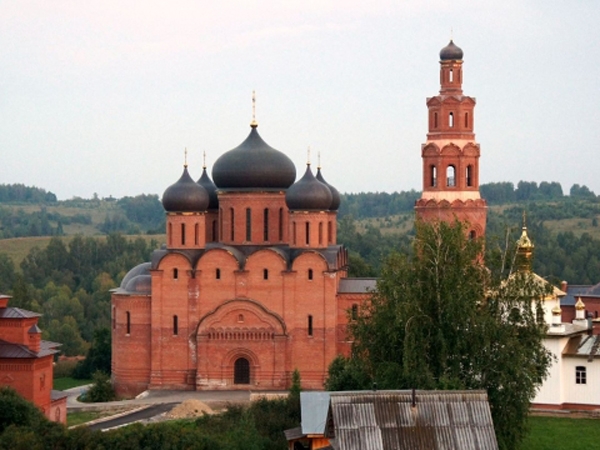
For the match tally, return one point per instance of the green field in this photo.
(61, 384)
(558, 433)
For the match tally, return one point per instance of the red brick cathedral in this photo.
(252, 284)
(451, 155)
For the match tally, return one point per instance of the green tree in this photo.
(98, 357)
(438, 320)
(101, 390)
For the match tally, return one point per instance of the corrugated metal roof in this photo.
(12, 350)
(573, 292)
(17, 313)
(357, 285)
(583, 345)
(387, 420)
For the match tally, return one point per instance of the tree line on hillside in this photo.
(19, 193)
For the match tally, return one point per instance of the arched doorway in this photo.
(241, 371)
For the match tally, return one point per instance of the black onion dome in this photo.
(254, 164)
(211, 189)
(451, 52)
(185, 196)
(335, 195)
(308, 193)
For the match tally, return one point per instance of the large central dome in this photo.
(254, 164)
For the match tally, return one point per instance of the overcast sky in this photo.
(103, 96)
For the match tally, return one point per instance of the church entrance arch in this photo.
(241, 371)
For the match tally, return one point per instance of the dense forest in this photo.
(69, 281)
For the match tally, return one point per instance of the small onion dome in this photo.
(335, 195)
(451, 52)
(579, 305)
(211, 188)
(524, 242)
(308, 194)
(138, 280)
(185, 195)
(254, 164)
(140, 269)
(556, 311)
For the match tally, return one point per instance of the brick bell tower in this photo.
(450, 154)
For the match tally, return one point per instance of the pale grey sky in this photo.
(103, 97)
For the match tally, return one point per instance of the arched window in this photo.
(310, 274)
(170, 234)
(183, 234)
(472, 234)
(450, 176)
(196, 234)
(433, 176)
(320, 233)
(307, 233)
(265, 274)
(281, 224)
(175, 274)
(469, 176)
(214, 231)
(232, 213)
(580, 375)
(220, 221)
(240, 318)
(114, 318)
(248, 224)
(451, 76)
(310, 325)
(451, 120)
(435, 120)
(218, 274)
(266, 224)
(294, 232)
(354, 312)
(466, 120)
(329, 233)
(128, 327)
(241, 371)
(175, 326)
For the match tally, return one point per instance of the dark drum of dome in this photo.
(451, 52)
(308, 194)
(211, 188)
(254, 164)
(185, 195)
(335, 195)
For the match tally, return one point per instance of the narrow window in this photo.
(114, 318)
(472, 234)
(467, 120)
(580, 375)
(354, 312)
(265, 274)
(451, 120)
(248, 224)
(281, 224)
(310, 274)
(175, 274)
(433, 176)
(218, 274)
(329, 233)
(450, 176)
(175, 326)
(294, 232)
(220, 221)
(170, 234)
(128, 322)
(310, 325)
(214, 231)
(196, 234)
(307, 233)
(183, 234)
(469, 176)
(320, 233)
(451, 76)
(232, 224)
(266, 224)
(435, 120)
(240, 318)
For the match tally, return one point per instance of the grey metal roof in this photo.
(357, 285)
(11, 350)
(388, 420)
(314, 407)
(593, 291)
(583, 345)
(572, 293)
(17, 313)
